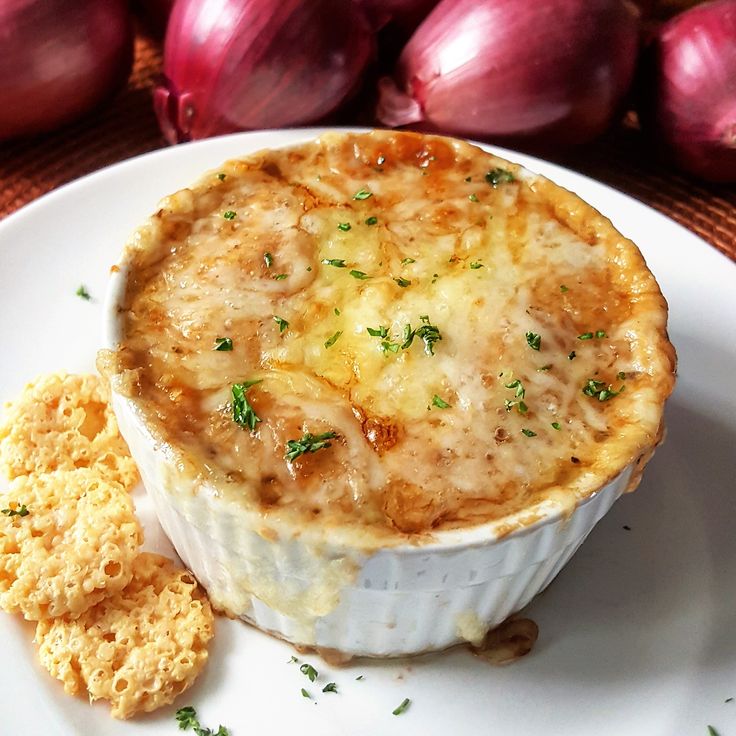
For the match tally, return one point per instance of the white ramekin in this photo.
(331, 592)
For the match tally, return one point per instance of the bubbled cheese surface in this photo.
(401, 234)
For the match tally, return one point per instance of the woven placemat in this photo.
(127, 127)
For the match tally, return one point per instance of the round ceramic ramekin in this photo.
(332, 591)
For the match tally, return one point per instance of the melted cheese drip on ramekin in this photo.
(484, 264)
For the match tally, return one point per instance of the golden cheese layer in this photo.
(476, 339)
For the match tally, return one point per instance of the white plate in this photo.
(637, 634)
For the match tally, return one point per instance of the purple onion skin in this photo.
(59, 59)
(546, 73)
(247, 64)
(687, 91)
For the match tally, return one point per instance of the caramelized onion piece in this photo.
(510, 641)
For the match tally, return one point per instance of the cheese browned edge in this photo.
(487, 261)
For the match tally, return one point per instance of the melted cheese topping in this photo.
(396, 234)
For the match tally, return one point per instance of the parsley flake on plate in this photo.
(330, 687)
(82, 293)
(309, 671)
(402, 707)
(187, 718)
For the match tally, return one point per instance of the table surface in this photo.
(126, 127)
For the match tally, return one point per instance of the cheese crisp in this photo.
(394, 332)
(139, 648)
(68, 539)
(64, 422)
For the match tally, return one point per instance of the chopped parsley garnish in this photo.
(544, 367)
(599, 390)
(563, 288)
(336, 311)
(439, 402)
(517, 384)
(344, 226)
(621, 376)
(21, 511)
(359, 275)
(428, 333)
(590, 335)
(336, 262)
(519, 394)
(281, 322)
(403, 283)
(309, 671)
(528, 433)
(362, 194)
(473, 197)
(712, 731)
(268, 259)
(332, 340)
(243, 412)
(293, 659)
(221, 176)
(533, 340)
(399, 709)
(476, 265)
(360, 677)
(229, 215)
(308, 443)
(571, 355)
(330, 687)
(406, 261)
(380, 331)
(82, 293)
(499, 176)
(223, 344)
(187, 718)
(556, 425)
(371, 221)
(305, 694)
(389, 347)
(280, 276)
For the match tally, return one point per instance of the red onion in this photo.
(551, 72)
(58, 59)
(244, 64)
(689, 90)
